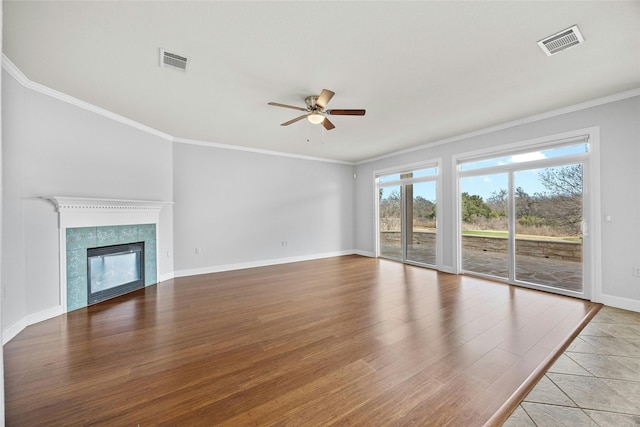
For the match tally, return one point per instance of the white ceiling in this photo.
(424, 71)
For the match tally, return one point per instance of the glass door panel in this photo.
(390, 221)
(548, 226)
(485, 224)
(420, 232)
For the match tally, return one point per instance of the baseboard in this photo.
(166, 276)
(255, 264)
(620, 302)
(30, 319)
(363, 253)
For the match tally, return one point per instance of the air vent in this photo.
(561, 41)
(172, 60)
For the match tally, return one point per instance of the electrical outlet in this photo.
(197, 251)
(636, 271)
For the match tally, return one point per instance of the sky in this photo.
(486, 185)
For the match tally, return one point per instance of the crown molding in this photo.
(537, 117)
(23, 80)
(259, 151)
(14, 72)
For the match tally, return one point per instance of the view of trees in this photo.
(390, 210)
(556, 212)
(424, 211)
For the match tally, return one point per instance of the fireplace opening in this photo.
(114, 270)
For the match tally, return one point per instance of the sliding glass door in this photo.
(420, 230)
(548, 244)
(485, 224)
(522, 218)
(390, 221)
(407, 223)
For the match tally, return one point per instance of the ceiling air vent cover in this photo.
(172, 60)
(561, 41)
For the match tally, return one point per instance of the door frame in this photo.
(591, 199)
(407, 168)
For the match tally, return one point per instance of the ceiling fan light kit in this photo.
(315, 111)
(315, 118)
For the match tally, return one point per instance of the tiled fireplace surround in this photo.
(82, 238)
(86, 222)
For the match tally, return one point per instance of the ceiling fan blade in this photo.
(277, 104)
(293, 120)
(327, 124)
(324, 98)
(346, 112)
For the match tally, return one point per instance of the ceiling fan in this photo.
(315, 111)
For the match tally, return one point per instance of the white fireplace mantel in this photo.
(77, 212)
(88, 212)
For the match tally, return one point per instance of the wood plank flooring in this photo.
(339, 341)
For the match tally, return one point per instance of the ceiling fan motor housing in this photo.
(311, 103)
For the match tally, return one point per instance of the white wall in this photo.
(54, 148)
(619, 124)
(238, 207)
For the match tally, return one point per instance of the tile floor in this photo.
(595, 382)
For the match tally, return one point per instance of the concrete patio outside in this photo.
(556, 273)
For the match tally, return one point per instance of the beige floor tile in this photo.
(519, 418)
(557, 416)
(566, 365)
(547, 392)
(617, 330)
(629, 389)
(608, 347)
(612, 419)
(611, 345)
(593, 393)
(604, 366)
(615, 315)
(597, 329)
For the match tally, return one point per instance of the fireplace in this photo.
(114, 270)
(88, 223)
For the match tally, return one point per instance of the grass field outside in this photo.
(505, 234)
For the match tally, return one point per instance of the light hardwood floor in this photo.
(345, 341)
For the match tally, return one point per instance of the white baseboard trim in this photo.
(166, 276)
(364, 253)
(620, 302)
(28, 320)
(254, 264)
